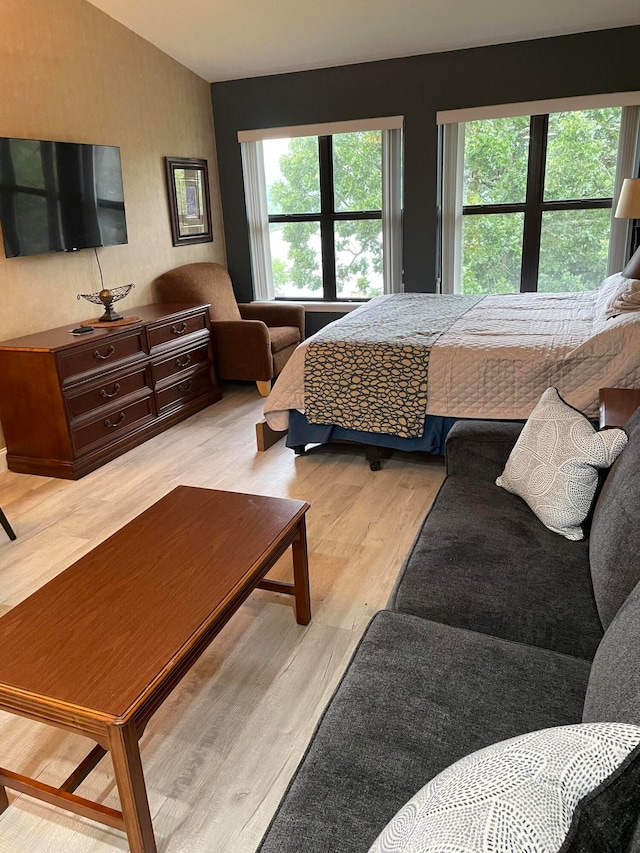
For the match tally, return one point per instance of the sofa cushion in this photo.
(614, 543)
(416, 697)
(554, 464)
(283, 336)
(483, 561)
(568, 788)
(614, 683)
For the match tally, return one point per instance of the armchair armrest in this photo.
(275, 314)
(480, 449)
(242, 350)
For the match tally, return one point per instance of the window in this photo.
(324, 214)
(533, 197)
(324, 197)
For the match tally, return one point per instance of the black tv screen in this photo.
(59, 196)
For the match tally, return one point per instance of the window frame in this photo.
(258, 218)
(534, 204)
(451, 168)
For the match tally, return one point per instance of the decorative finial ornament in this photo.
(107, 298)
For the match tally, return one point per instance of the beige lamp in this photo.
(629, 206)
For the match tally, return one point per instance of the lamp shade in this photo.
(629, 201)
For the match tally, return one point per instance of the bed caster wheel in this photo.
(375, 465)
(299, 449)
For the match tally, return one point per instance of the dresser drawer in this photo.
(107, 391)
(175, 330)
(101, 355)
(110, 426)
(188, 388)
(172, 365)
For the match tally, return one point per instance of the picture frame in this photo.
(189, 202)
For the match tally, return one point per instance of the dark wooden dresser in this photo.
(69, 404)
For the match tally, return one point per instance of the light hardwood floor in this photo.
(219, 753)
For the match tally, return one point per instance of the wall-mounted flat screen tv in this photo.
(59, 196)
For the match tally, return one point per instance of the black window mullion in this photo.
(502, 207)
(316, 217)
(325, 148)
(484, 209)
(295, 217)
(577, 204)
(349, 215)
(533, 203)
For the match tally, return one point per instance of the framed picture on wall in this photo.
(189, 204)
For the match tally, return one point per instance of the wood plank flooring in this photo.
(220, 752)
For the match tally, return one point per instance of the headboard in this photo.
(632, 269)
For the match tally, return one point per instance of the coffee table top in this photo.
(101, 634)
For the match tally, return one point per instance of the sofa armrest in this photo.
(242, 350)
(274, 314)
(480, 449)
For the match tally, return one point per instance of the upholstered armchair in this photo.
(250, 341)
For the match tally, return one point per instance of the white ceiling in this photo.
(229, 39)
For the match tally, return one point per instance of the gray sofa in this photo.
(490, 632)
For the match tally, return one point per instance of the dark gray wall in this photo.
(417, 87)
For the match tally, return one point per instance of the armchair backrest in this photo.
(201, 282)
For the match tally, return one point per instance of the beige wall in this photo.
(71, 73)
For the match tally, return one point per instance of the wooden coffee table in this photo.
(98, 649)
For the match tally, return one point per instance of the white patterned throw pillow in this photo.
(544, 792)
(554, 464)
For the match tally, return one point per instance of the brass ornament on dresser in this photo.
(106, 298)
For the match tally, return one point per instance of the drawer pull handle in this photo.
(108, 354)
(107, 395)
(185, 386)
(113, 424)
(179, 330)
(185, 361)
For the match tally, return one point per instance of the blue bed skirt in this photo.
(432, 440)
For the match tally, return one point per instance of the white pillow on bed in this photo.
(628, 300)
(610, 291)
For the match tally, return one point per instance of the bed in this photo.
(482, 357)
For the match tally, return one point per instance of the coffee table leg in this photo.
(4, 801)
(125, 754)
(301, 575)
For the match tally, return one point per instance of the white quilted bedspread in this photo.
(498, 358)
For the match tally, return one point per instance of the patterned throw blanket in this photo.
(370, 371)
